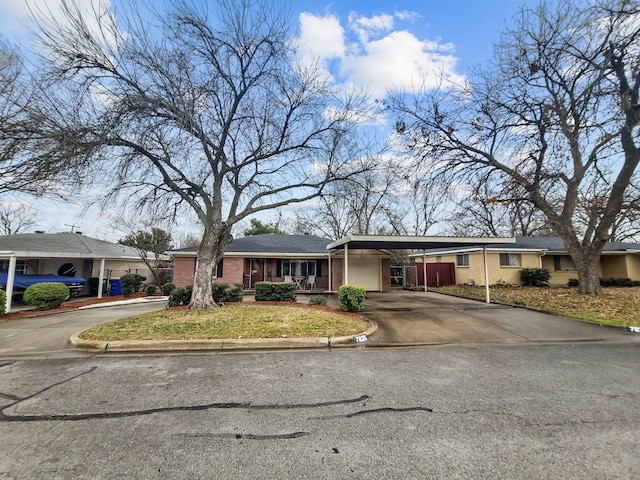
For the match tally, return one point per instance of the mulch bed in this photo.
(75, 304)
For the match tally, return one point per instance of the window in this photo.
(22, 266)
(462, 260)
(297, 268)
(563, 263)
(510, 260)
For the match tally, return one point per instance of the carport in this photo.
(386, 243)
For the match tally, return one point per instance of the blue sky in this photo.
(376, 44)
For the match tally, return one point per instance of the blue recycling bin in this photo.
(114, 287)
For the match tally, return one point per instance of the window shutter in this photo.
(219, 268)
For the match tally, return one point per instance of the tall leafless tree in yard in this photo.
(22, 170)
(556, 111)
(188, 108)
(489, 210)
(365, 204)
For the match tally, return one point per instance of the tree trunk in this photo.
(214, 242)
(587, 264)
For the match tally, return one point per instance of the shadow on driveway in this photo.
(424, 318)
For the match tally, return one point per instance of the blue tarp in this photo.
(21, 282)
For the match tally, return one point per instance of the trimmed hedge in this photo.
(3, 302)
(535, 277)
(45, 296)
(223, 292)
(168, 287)
(275, 291)
(351, 297)
(318, 300)
(131, 283)
(151, 290)
(180, 296)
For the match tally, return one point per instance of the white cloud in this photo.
(16, 14)
(322, 37)
(366, 27)
(380, 58)
(400, 61)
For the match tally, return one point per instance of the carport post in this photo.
(11, 273)
(424, 268)
(345, 279)
(330, 282)
(486, 274)
(101, 278)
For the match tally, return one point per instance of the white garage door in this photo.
(365, 272)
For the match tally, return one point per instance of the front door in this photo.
(257, 271)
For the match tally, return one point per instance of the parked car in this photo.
(21, 282)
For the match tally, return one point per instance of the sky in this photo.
(375, 44)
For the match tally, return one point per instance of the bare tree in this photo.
(557, 109)
(365, 204)
(16, 217)
(496, 210)
(205, 110)
(156, 242)
(21, 169)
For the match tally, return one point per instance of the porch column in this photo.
(345, 275)
(424, 269)
(101, 278)
(486, 275)
(330, 273)
(11, 273)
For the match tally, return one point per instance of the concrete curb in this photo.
(373, 326)
(125, 302)
(214, 345)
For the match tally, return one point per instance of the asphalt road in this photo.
(541, 412)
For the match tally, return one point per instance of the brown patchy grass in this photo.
(232, 321)
(616, 306)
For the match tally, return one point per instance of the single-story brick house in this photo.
(315, 263)
(504, 261)
(304, 259)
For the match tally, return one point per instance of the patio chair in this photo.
(311, 282)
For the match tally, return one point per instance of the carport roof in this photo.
(62, 245)
(392, 242)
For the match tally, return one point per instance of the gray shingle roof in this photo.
(555, 244)
(64, 244)
(552, 244)
(275, 243)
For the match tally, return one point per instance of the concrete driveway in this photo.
(47, 336)
(419, 318)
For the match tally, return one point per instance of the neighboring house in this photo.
(314, 263)
(504, 262)
(89, 258)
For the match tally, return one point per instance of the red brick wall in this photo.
(183, 270)
(336, 273)
(232, 271)
(386, 274)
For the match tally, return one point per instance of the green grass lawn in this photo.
(247, 320)
(616, 306)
